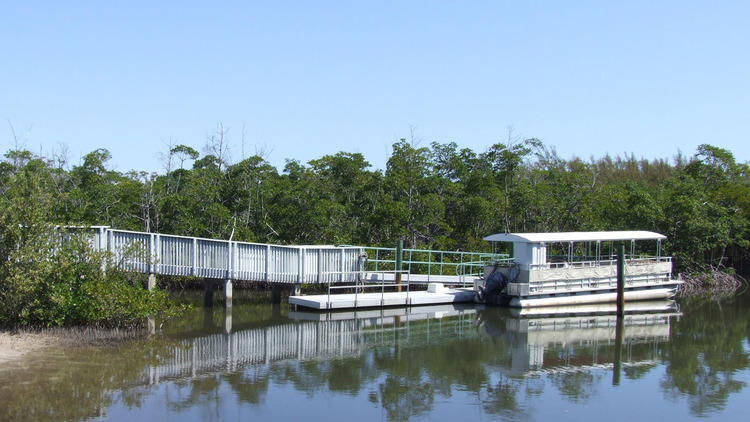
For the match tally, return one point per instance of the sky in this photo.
(299, 80)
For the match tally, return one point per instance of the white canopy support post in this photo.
(570, 252)
(598, 252)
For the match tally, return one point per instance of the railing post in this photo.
(299, 265)
(268, 263)
(102, 247)
(399, 252)
(320, 265)
(194, 269)
(151, 254)
(341, 273)
(460, 270)
(157, 259)
(229, 260)
(235, 262)
(429, 265)
(102, 239)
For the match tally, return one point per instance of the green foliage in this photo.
(50, 276)
(440, 197)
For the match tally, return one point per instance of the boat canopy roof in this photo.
(574, 236)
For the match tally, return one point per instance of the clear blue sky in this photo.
(313, 78)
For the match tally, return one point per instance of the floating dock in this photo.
(434, 295)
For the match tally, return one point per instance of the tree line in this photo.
(439, 196)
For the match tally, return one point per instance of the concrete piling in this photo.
(228, 293)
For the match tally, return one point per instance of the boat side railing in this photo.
(586, 284)
(605, 262)
(583, 284)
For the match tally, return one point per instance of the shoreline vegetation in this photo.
(18, 344)
(712, 282)
(437, 197)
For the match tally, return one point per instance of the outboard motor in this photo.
(492, 287)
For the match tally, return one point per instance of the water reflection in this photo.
(395, 363)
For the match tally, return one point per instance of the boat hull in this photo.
(593, 297)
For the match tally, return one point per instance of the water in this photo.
(262, 362)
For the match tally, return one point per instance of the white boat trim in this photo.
(581, 299)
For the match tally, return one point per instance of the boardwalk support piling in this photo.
(619, 333)
(275, 293)
(620, 279)
(228, 320)
(151, 281)
(208, 294)
(228, 293)
(620, 314)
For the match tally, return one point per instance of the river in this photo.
(670, 361)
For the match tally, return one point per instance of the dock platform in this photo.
(432, 296)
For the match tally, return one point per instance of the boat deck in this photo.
(372, 300)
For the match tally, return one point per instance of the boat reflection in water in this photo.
(582, 337)
(533, 339)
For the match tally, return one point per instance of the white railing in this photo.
(224, 259)
(606, 262)
(590, 284)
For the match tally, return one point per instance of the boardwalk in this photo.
(163, 254)
(280, 265)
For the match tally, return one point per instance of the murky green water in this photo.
(261, 362)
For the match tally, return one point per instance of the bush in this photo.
(52, 277)
(66, 285)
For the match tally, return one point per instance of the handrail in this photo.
(156, 253)
(361, 284)
(641, 260)
(179, 255)
(332, 247)
(445, 259)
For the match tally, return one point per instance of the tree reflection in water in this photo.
(492, 360)
(707, 348)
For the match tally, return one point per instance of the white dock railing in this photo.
(156, 253)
